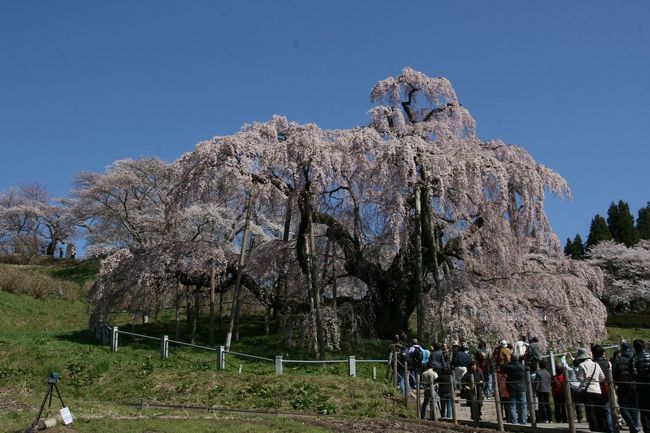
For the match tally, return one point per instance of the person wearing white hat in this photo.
(589, 376)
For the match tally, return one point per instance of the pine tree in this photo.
(598, 231)
(568, 248)
(578, 247)
(643, 222)
(621, 224)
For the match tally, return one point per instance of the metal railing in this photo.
(113, 333)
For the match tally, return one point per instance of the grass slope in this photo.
(105, 390)
(110, 392)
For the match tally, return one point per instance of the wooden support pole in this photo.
(531, 399)
(432, 401)
(570, 407)
(454, 417)
(613, 401)
(394, 355)
(406, 385)
(497, 402)
(417, 396)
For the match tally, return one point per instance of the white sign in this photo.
(66, 415)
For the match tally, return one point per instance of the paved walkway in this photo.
(489, 419)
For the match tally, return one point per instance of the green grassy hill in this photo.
(46, 332)
(43, 328)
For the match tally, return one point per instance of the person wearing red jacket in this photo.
(557, 388)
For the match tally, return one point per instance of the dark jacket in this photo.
(622, 366)
(437, 361)
(444, 383)
(461, 358)
(623, 377)
(534, 352)
(641, 366)
(604, 364)
(516, 372)
(466, 382)
(542, 383)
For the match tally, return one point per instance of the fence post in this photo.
(531, 400)
(221, 358)
(114, 342)
(394, 354)
(417, 396)
(407, 385)
(352, 366)
(278, 364)
(374, 372)
(613, 401)
(164, 347)
(497, 401)
(432, 401)
(473, 402)
(552, 361)
(454, 417)
(570, 407)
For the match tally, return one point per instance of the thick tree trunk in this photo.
(240, 268)
(51, 248)
(221, 310)
(212, 302)
(177, 316)
(195, 316)
(315, 280)
(418, 265)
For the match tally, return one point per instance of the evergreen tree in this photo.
(598, 231)
(643, 222)
(578, 247)
(568, 248)
(621, 224)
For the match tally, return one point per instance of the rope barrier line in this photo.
(245, 355)
(309, 361)
(182, 343)
(139, 335)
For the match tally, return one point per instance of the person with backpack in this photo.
(603, 410)
(414, 357)
(625, 389)
(437, 359)
(641, 374)
(460, 362)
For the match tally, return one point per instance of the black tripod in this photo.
(51, 384)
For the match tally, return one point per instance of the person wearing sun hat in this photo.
(589, 376)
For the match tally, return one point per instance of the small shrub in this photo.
(26, 282)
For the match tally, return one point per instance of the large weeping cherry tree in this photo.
(412, 214)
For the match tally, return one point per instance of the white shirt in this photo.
(590, 375)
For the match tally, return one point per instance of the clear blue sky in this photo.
(83, 83)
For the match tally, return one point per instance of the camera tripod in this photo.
(51, 385)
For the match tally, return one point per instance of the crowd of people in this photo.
(474, 374)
